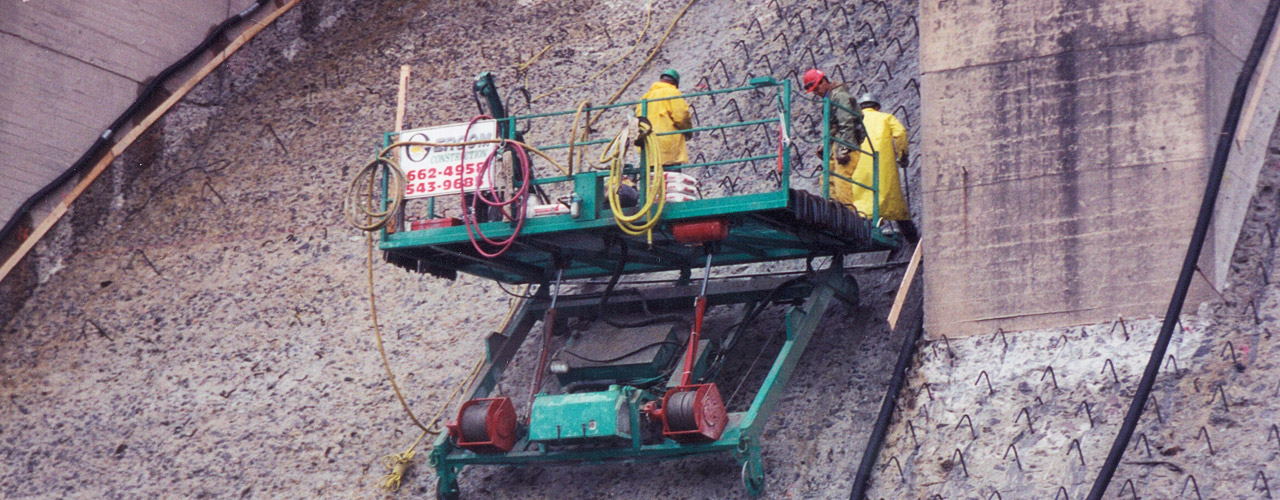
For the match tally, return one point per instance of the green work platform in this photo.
(773, 221)
(773, 224)
(763, 227)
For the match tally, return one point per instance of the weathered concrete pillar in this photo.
(1066, 145)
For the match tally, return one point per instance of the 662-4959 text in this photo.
(433, 180)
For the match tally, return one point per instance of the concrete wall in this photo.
(70, 68)
(1066, 147)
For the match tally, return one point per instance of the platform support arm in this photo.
(801, 323)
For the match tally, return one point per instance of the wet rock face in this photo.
(202, 328)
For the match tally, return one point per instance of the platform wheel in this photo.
(753, 476)
(447, 489)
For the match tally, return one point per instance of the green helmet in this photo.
(675, 75)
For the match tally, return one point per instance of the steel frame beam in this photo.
(741, 438)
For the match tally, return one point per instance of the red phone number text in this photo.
(429, 180)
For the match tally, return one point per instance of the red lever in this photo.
(700, 307)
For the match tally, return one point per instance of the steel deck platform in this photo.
(763, 227)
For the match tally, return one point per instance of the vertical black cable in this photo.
(1211, 188)
(862, 480)
(144, 98)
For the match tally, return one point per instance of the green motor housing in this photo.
(604, 416)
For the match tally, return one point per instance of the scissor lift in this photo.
(626, 416)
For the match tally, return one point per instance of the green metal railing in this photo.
(584, 184)
(783, 110)
(827, 173)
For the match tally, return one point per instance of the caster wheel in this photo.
(447, 491)
(753, 477)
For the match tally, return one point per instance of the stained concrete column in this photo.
(1066, 145)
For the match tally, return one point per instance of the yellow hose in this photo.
(361, 204)
(358, 205)
(655, 184)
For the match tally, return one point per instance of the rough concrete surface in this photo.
(201, 324)
(1064, 137)
(963, 432)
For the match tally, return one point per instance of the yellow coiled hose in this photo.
(615, 155)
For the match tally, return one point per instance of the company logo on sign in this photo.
(439, 170)
(418, 153)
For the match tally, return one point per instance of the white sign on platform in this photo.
(435, 171)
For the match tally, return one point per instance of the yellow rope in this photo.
(377, 332)
(398, 463)
(644, 64)
(647, 16)
(573, 133)
(525, 65)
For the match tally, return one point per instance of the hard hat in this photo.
(811, 79)
(869, 99)
(675, 75)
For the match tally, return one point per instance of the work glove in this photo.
(644, 128)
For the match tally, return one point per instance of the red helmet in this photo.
(812, 78)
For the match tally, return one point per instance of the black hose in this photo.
(617, 273)
(104, 140)
(648, 319)
(1219, 165)
(862, 480)
(748, 319)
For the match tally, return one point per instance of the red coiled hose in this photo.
(521, 196)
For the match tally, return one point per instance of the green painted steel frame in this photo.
(741, 437)
(827, 174)
(543, 241)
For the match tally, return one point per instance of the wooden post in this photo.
(400, 97)
(905, 287)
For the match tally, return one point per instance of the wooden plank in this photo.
(255, 26)
(905, 287)
(400, 97)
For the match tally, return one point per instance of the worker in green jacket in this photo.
(845, 123)
(888, 138)
(667, 115)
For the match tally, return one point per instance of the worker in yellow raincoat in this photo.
(886, 136)
(845, 124)
(667, 116)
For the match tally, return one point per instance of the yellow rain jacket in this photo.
(889, 139)
(667, 116)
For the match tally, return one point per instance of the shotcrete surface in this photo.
(201, 327)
